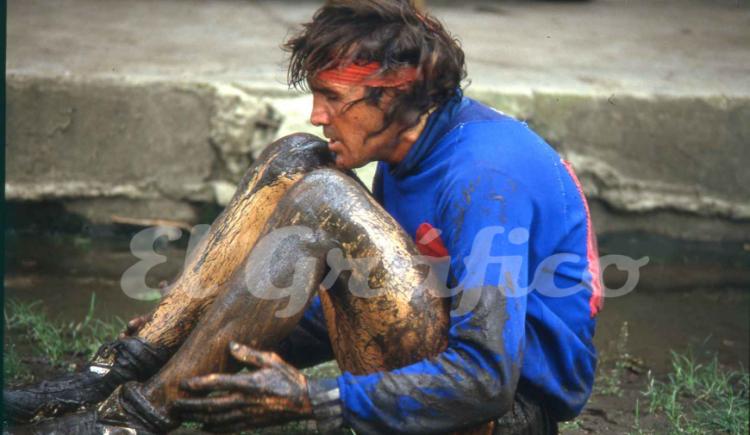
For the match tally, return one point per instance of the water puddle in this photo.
(691, 295)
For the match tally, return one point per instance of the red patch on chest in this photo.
(429, 242)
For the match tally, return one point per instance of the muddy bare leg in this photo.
(326, 213)
(232, 236)
(219, 254)
(385, 313)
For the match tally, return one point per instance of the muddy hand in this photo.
(273, 393)
(134, 325)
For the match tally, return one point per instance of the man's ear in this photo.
(387, 96)
(413, 133)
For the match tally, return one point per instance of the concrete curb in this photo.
(145, 141)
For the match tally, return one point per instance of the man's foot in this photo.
(128, 407)
(86, 422)
(125, 412)
(123, 360)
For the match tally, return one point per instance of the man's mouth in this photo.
(335, 145)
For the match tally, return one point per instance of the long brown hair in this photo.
(391, 32)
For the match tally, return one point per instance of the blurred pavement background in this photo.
(147, 109)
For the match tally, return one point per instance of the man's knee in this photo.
(329, 192)
(283, 162)
(295, 153)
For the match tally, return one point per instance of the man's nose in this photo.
(319, 115)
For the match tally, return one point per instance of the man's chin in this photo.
(350, 166)
(344, 164)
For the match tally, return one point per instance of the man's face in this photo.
(347, 126)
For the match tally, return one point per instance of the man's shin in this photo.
(232, 236)
(206, 276)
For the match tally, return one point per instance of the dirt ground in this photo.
(615, 413)
(617, 406)
(637, 335)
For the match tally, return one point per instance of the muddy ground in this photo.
(636, 334)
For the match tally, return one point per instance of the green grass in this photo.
(701, 398)
(56, 342)
(566, 426)
(13, 368)
(609, 381)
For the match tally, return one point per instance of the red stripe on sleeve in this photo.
(592, 250)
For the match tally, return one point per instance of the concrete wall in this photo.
(673, 166)
(144, 150)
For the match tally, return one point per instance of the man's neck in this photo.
(408, 139)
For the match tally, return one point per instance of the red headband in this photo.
(364, 75)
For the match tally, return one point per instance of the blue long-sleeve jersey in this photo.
(524, 272)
